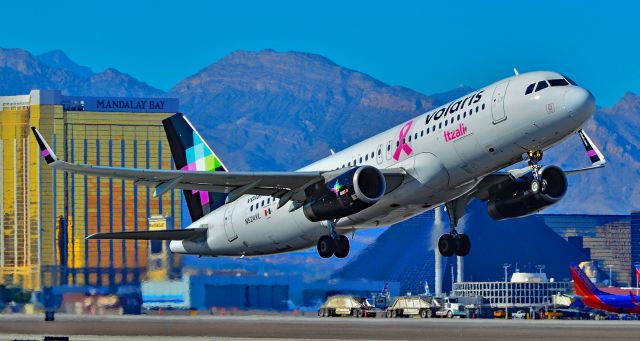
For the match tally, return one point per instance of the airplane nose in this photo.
(579, 103)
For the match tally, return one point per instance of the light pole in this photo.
(505, 266)
(506, 289)
(610, 278)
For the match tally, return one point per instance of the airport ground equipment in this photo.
(406, 306)
(449, 307)
(347, 305)
(519, 315)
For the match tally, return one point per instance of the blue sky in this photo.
(429, 47)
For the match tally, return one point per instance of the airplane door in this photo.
(497, 103)
(228, 224)
(379, 155)
(389, 150)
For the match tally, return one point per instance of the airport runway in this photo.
(309, 328)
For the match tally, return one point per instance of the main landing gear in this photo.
(454, 242)
(333, 244)
(537, 185)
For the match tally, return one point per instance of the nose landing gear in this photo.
(454, 242)
(537, 185)
(333, 244)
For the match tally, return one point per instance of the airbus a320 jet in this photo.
(446, 156)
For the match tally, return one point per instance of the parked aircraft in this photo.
(593, 297)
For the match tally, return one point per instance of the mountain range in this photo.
(268, 110)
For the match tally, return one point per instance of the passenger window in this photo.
(268, 201)
(446, 123)
(433, 128)
(366, 157)
(421, 133)
(262, 203)
(361, 159)
(251, 208)
(464, 115)
(482, 106)
(541, 85)
(409, 138)
(440, 125)
(458, 117)
(349, 164)
(354, 162)
(477, 108)
(558, 82)
(415, 136)
(388, 148)
(452, 120)
(529, 89)
(427, 131)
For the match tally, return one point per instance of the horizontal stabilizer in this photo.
(190, 234)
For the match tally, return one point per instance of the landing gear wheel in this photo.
(326, 246)
(342, 246)
(463, 244)
(447, 245)
(535, 186)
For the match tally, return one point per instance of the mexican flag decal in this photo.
(267, 212)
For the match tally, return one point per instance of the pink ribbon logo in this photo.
(402, 145)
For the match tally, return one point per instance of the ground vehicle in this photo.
(553, 314)
(449, 307)
(499, 314)
(340, 305)
(405, 306)
(520, 314)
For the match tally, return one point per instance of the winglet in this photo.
(594, 154)
(46, 151)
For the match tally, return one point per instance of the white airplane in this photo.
(447, 156)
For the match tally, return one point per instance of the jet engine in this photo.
(347, 193)
(517, 198)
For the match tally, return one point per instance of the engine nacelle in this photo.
(345, 194)
(517, 200)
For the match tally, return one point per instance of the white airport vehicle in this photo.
(449, 307)
(446, 156)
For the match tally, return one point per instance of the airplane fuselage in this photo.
(621, 304)
(445, 152)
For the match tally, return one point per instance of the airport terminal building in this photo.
(46, 214)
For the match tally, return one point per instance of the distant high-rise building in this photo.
(47, 214)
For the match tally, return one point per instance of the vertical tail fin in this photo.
(637, 275)
(582, 283)
(191, 153)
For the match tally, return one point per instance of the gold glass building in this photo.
(46, 214)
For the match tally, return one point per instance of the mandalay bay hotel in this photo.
(46, 214)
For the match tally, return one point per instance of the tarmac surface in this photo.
(32, 327)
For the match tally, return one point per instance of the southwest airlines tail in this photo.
(191, 153)
(582, 283)
(638, 275)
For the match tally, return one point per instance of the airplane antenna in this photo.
(516, 71)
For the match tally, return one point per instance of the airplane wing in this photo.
(284, 185)
(188, 234)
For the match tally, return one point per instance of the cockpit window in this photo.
(541, 85)
(558, 82)
(529, 89)
(570, 80)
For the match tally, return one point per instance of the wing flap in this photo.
(191, 234)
